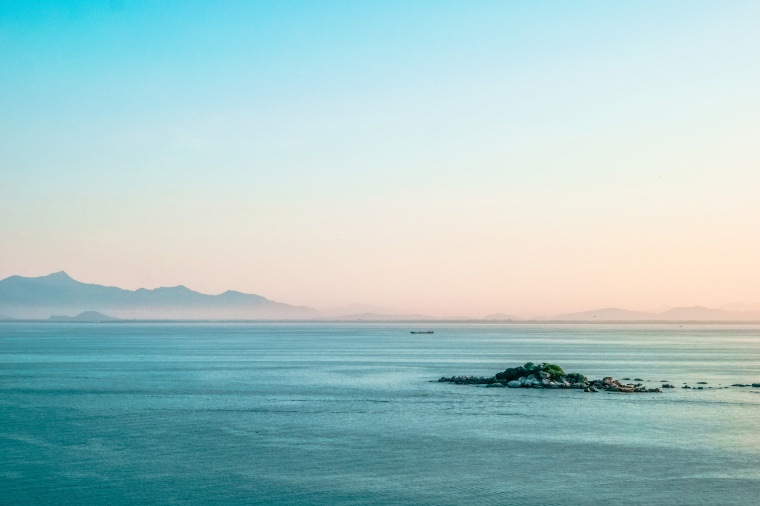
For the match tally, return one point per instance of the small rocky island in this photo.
(546, 375)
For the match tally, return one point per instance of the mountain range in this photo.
(59, 297)
(692, 313)
(59, 294)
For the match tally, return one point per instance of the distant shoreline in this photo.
(412, 322)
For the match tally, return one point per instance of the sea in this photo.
(349, 413)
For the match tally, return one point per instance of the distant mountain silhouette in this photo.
(501, 316)
(59, 294)
(694, 313)
(38, 298)
(605, 314)
(87, 316)
(357, 309)
(697, 313)
(380, 317)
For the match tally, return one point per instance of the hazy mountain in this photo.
(38, 298)
(59, 294)
(5, 318)
(87, 316)
(697, 313)
(382, 317)
(500, 316)
(605, 314)
(694, 313)
(357, 309)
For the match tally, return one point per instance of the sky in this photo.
(446, 158)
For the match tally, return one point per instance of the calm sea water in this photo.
(347, 414)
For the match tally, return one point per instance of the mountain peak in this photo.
(56, 278)
(174, 289)
(60, 275)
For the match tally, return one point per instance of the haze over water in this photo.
(347, 414)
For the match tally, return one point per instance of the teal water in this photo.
(347, 414)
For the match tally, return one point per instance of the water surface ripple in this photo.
(347, 414)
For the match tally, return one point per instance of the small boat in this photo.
(422, 332)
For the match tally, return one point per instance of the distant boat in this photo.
(422, 332)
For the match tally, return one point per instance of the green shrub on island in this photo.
(554, 371)
(551, 371)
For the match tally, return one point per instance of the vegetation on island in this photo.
(550, 371)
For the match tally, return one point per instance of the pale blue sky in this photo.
(441, 157)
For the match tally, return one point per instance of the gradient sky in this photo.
(449, 158)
